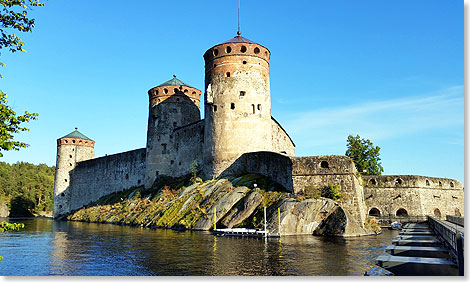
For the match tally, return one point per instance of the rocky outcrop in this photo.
(4, 211)
(193, 207)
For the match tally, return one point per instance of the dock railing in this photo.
(452, 238)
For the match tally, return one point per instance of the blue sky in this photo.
(390, 71)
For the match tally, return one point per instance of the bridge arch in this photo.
(401, 212)
(374, 211)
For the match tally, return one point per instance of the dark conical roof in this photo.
(239, 39)
(76, 134)
(174, 82)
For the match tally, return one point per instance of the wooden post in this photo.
(215, 218)
(460, 263)
(265, 234)
(279, 219)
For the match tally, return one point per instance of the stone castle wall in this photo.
(95, 178)
(189, 144)
(312, 174)
(417, 195)
(282, 143)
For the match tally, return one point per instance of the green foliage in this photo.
(11, 123)
(26, 188)
(364, 155)
(13, 16)
(6, 226)
(332, 192)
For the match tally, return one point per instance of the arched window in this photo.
(457, 212)
(324, 164)
(373, 181)
(437, 213)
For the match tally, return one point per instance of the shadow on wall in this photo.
(275, 166)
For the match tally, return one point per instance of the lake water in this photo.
(47, 247)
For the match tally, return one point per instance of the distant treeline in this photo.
(26, 188)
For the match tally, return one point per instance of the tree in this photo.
(13, 16)
(364, 155)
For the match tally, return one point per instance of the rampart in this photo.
(95, 178)
(311, 175)
(399, 195)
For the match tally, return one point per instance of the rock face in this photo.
(314, 216)
(244, 210)
(193, 207)
(4, 212)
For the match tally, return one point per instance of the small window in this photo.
(228, 49)
(256, 50)
(62, 194)
(174, 124)
(66, 141)
(242, 93)
(243, 49)
(194, 93)
(177, 99)
(324, 164)
(127, 176)
(185, 90)
(156, 91)
(165, 90)
(73, 141)
(244, 62)
(70, 156)
(60, 206)
(227, 74)
(452, 184)
(216, 52)
(179, 163)
(156, 173)
(215, 108)
(440, 183)
(172, 162)
(373, 182)
(70, 164)
(253, 106)
(232, 106)
(175, 90)
(259, 107)
(139, 181)
(398, 181)
(171, 136)
(427, 182)
(65, 180)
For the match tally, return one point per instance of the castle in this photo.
(237, 135)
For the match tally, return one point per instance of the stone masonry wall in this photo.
(95, 178)
(281, 141)
(311, 174)
(189, 141)
(417, 195)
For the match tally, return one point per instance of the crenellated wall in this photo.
(95, 178)
(413, 195)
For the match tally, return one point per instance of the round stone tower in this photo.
(237, 102)
(71, 149)
(172, 104)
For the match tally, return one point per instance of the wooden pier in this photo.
(245, 232)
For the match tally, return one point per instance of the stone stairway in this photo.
(417, 251)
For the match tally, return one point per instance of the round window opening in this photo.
(374, 212)
(256, 50)
(243, 49)
(228, 49)
(324, 164)
(401, 212)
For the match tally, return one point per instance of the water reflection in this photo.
(75, 248)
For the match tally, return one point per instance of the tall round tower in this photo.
(71, 149)
(237, 102)
(172, 104)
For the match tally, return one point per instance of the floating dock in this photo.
(245, 232)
